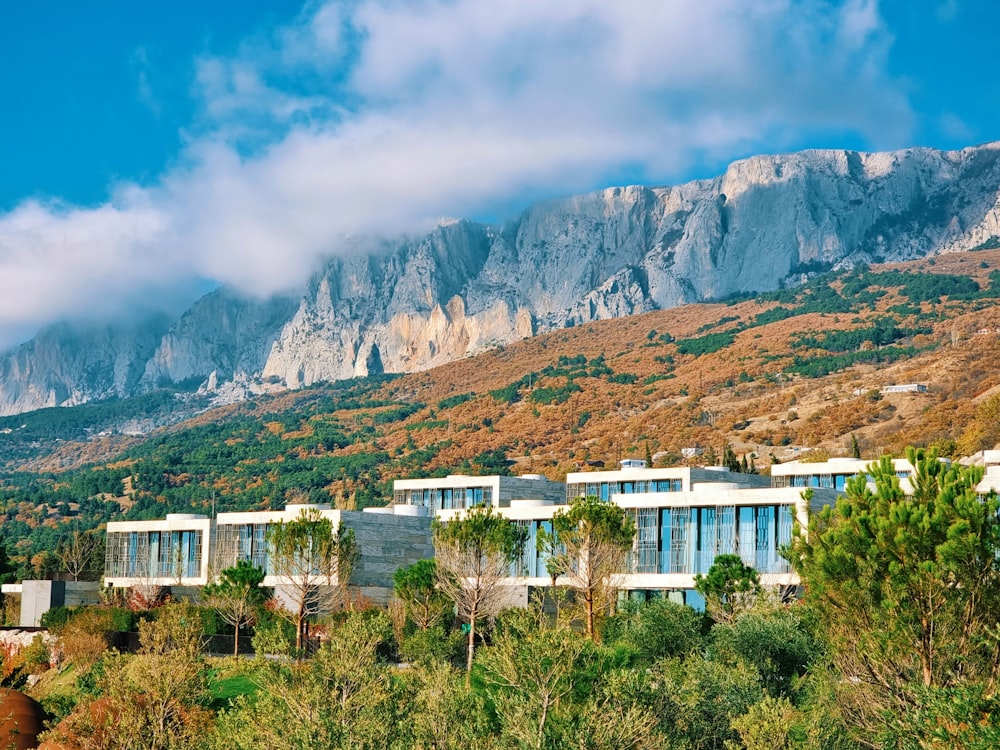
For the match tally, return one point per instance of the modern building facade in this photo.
(190, 550)
(171, 551)
(989, 461)
(833, 473)
(685, 517)
(461, 491)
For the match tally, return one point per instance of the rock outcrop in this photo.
(413, 303)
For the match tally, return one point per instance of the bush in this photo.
(11, 609)
(273, 635)
(707, 344)
(35, 656)
(58, 705)
(775, 643)
(57, 617)
(434, 645)
(124, 620)
(655, 629)
(86, 636)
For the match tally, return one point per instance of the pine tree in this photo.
(905, 587)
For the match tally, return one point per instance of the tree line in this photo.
(893, 646)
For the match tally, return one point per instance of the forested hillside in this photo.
(770, 377)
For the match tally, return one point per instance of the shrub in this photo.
(273, 635)
(58, 705)
(86, 635)
(35, 655)
(655, 629)
(707, 344)
(432, 645)
(56, 617)
(776, 643)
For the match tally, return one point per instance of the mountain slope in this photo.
(414, 303)
(776, 376)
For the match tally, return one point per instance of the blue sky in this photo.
(149, 151)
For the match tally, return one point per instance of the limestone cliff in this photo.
(416, 302)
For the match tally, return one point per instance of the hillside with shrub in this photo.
(770, 378)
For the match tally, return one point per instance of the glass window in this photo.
(765, 538)
(706, 539)
(784, 533)
(747, 544)
(644, 549)
(543, 553)
(726, 530)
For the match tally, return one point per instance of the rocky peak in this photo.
(415, 302)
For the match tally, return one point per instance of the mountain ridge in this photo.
(416, 302)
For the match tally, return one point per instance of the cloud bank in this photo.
(380, 116)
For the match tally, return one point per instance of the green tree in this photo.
(343, 697)
(474, 553)
(906, 587)
(966, 718)
(81, 554)
(237, 597)
(311, 563)
(8, 570)
(595, 538)
(730, 587)
(416, 585)
(655, 629)
(530, 673)
(729, 459)
(153, 700)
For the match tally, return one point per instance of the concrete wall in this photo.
(520, 488)
(386, 543)
(38, 597)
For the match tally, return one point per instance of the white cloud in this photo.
(954, 127)
(144, 89)
(382, 115)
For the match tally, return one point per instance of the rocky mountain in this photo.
(417, 302)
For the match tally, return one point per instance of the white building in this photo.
(905, 388)
(190, 550)
(990, 461)
(685, 517)
(834, 473)
(461, 491)
(171, 551)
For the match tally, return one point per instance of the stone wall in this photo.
(386, 542)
